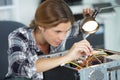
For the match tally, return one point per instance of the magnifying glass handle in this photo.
(85, 36)
(97, 10)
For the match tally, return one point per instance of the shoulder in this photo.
(22, 30)
(20, 33)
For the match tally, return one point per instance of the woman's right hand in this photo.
(78, 49)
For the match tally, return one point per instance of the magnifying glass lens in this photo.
(90, 26)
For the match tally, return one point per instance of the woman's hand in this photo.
(80, 48)
(87, 11)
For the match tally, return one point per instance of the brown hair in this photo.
(52, 12)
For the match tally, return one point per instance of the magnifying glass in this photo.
(89, 26)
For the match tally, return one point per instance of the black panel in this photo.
(103, 5)
(61, 73)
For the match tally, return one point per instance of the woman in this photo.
(52, 25)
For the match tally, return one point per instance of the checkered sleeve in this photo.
(21, 61)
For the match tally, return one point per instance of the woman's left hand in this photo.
(87, 11)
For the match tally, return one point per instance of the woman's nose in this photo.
(62, 37)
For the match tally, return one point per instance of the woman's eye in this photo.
(57, 31)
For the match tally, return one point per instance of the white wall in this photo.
(112, 29)
(112, 37)
(24, 10)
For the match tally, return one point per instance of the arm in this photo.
(73, 54)
(45, 64)
(27, 66)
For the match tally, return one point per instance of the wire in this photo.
(86, 63)
(75, 64)
(96, 57)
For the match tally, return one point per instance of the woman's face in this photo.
(55, 35)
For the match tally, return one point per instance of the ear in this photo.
(40, 28)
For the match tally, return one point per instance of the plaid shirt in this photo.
(22, 52)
